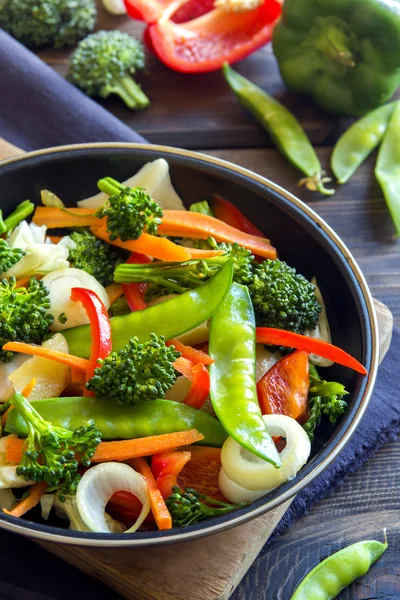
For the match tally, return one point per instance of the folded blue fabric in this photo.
(38, 109)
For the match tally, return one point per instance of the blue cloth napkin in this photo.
(39, 109)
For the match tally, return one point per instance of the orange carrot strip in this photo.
(35, 493)
(54, 218)
(61, 357)
(196, 225)
(14, 449)
(136, 448)
(23, 282)
(114, 291)
(158, 507)
(151, 245)
(55, 238)
(29, 387)
(199, 253)
(190, 353)
(184, 367)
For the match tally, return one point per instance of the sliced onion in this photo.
(234, 492)
(40, 259)
(253, 473)
(97, 486)
(60, 283)
(152, 177)
(7, 499)
(10, 479)
(322, 330)
(46, 504)
(265, 360)
(115, 7)
(21, 237)
(6, 370)
(179, 390)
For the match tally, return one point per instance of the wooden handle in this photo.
(7, 150)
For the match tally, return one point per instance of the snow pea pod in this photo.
(282, 126)
(357, 143)
(336, 572)
(170, 319)
(387, 170)
(232, 375)
(117, 422)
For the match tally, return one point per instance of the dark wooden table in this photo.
(198, 112)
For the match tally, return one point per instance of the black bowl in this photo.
(302, 238)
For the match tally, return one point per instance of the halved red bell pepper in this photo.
(166, 468)
(205, 43)
(228, 213)
(284, 388)
(100, 328)
(135, 292)
(181, 10)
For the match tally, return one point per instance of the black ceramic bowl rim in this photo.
(323, 458)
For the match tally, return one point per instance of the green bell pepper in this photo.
(117, 422)
(170, 319)
(343, 53)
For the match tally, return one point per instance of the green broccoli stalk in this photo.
(129, 211)
(202, 207)
(49, 451)
(55, 23)
(189, 507)
(24, 316)
(9, 256)
(177, 278)
(326, 398)
(103, 64)
(94, 256)
(137, 373)
(282, 298)
(22, 212)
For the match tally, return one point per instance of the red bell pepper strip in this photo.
(166, 468)
(228, 213)
(200, 387)
(135, 292)
(279, 337)
(196, 356)
(100, 328)
(184, 367)
(205, 43)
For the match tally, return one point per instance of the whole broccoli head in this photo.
(94, 256)
(282, 298)
(136, 373)
(55, 23)
(9, 256)
(103, 64)
(23, 313)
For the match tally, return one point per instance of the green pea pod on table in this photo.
(283, 127)
(357, 143)
(387, 170)
(232, 374)
(170, 319)
(117, 422)
(339, 570)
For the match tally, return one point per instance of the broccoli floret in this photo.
(23, 313)
(94, 256)
(202, 207)
(56, 23)
(9, 256)
(282, 298)
(22, 212)
(189, 507)
(325, 398)
(129, 211)
(49, 451)
(136, 373)
(103, 64)
(173, 277)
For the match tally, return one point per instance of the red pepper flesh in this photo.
(279, 337)
(228, 213)
(190, 353)
(166, 468)
(152, 10)
(199, 388)
(135, 292)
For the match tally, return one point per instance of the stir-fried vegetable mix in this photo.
(180, 333)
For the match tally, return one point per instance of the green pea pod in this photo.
(232, 374)
(336, 572)
(387, 170)
(283, 127)
(117, 422)
(170, 319)
(357, 143)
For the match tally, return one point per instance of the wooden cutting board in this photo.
(206, 569)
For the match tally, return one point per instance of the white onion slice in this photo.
(97, 486)
(7, 369)
(253, 473)
(46, 504)
(41, 259)
(7, 499)
(60, 283)
(234, 492)
(179, 390)
(322, 330)
(115, 7)
(265, 360)
(10, 479)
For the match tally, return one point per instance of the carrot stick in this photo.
(125, 449)
(23, 282)
(55, 218)
(114, 291)
(29, 387)
(61, 357)
(55, 238)
(196, 225)
(14, 449)
(151, 245)
(35, 493)
(158, 507)
(184, 367)
(195, 356)
(199, 253)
